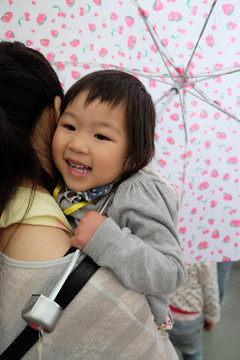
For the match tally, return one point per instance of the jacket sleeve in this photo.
(138, 240)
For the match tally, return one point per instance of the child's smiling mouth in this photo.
(80, 168)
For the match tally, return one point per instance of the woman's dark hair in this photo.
(115, 87)
(28, 85)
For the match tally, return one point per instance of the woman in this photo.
(105, 320)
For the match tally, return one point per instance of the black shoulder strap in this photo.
(74, 283)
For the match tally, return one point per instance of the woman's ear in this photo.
(57, 105)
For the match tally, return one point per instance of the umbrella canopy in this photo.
(187, 53)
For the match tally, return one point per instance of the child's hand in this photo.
(86, 228)
(207, 326)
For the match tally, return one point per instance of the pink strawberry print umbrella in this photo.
(187, 53)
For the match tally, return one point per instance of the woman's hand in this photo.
(87, 228)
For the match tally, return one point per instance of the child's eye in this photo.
(69, 127)
(101, 137)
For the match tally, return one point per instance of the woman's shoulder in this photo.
(37, 208)
(34, 228)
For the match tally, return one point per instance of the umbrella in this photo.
(187, 53)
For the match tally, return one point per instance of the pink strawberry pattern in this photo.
(7, 17)
(205, 165)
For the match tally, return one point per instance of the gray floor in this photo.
(223, 342)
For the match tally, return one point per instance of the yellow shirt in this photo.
(43, 211)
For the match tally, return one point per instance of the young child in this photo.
(195, 306)
(105, 136)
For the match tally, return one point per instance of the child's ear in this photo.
(57, 105)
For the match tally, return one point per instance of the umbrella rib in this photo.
(212, 75)
(171, 92)
(212, 103)
(201, 33)
(174, 91)
(162, 97)
(183, 115)
(182, 105)
(151, 75)
(149, 27)
(154, 76)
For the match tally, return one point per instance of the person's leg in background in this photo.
(223, 269)
(186, 336)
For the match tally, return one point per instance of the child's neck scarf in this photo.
(88, 195)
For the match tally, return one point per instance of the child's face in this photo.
(90, 144)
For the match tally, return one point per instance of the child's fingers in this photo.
(86, 229)
(75, 242)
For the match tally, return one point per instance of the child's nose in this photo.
(79, 144)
